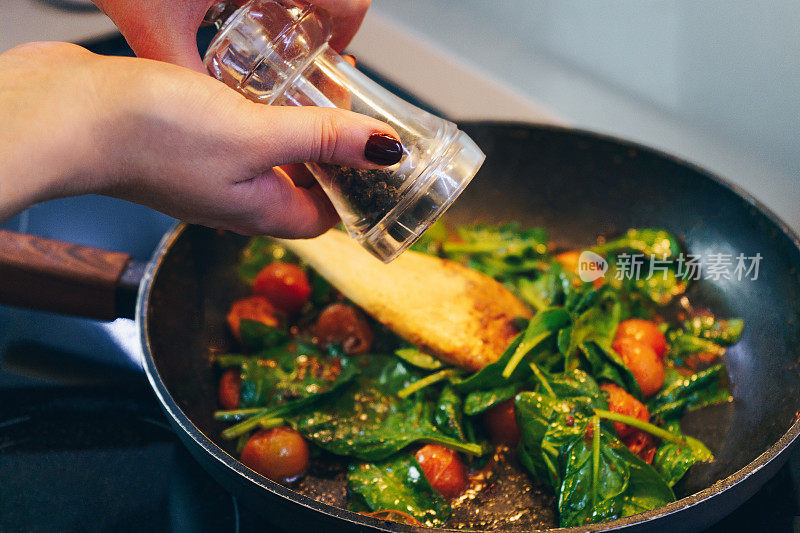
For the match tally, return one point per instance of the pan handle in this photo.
(59, 277)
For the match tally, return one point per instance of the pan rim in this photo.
(773, 456)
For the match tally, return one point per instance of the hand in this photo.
(157, 134)
(166, 30)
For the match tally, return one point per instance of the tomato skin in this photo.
(501, 422)
(643, 331)
(230, 387)
(644, 364)
(285, 285)
(569, 260)
(279, 454)
(342, 324)
(620, 402)
(643, 445)
(444, 469)
(255, 308)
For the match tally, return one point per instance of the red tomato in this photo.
(642, 445)
(643, 331)
(344, 325)
(284, 284)
(230, 386)
(280, 454)
(255, 308)
(569, 260)
(443, 468)
(644, 364)
(501, 421)
(619, 401)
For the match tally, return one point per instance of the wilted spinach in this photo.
(363, 421)
(681, 393)
(257, 336)
(716, 330)
(672, 460)
(658, 243)
(448, 415)
(398, 484)
(419, 359)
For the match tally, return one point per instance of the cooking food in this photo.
(586, 399)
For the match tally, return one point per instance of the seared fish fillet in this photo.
(461, 316)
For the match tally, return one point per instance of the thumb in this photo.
(325, 135)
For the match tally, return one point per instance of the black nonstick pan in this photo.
(578, 185)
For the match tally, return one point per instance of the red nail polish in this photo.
(383, 149)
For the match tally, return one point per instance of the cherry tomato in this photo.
(569, 260)
(255, 308)
(644, 364)
(344, 325)
(284, 284)
(643, 331)
(280, 454)
(619, 401)
(501, 421)
(642, 445)
(443, 468)
(230, 386)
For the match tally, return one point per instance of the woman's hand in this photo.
(166, 30)
(157, 134)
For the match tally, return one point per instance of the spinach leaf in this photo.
(653, 244)
(594, 480)
(448, 414)
(597, 324)
(541, 327)
(647, 241)
(491, 376)
(683, 345)
(688, 393)
(363, 421)
(388, 374)
(502, 252)
(398, 484)
(603, 480)
(546, 423)
(419, 359)
(605, 365)
(661, 287)
(257, 336)
(479, 401)
(574, 384)
(647, 490)
(718, 331)
(673, 461)
(268, 383)
(547, 290)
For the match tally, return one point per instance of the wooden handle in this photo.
(54, 276)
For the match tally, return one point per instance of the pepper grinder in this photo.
(277, 53)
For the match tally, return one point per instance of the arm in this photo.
(176, 140)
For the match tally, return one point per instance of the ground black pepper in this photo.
(371, 193)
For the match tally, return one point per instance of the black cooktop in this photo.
(83, 443)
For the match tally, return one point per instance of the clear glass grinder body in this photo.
(277, 54)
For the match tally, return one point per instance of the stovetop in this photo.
(83, 443)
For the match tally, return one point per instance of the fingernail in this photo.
(383, 149)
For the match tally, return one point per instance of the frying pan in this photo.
(577, 184)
